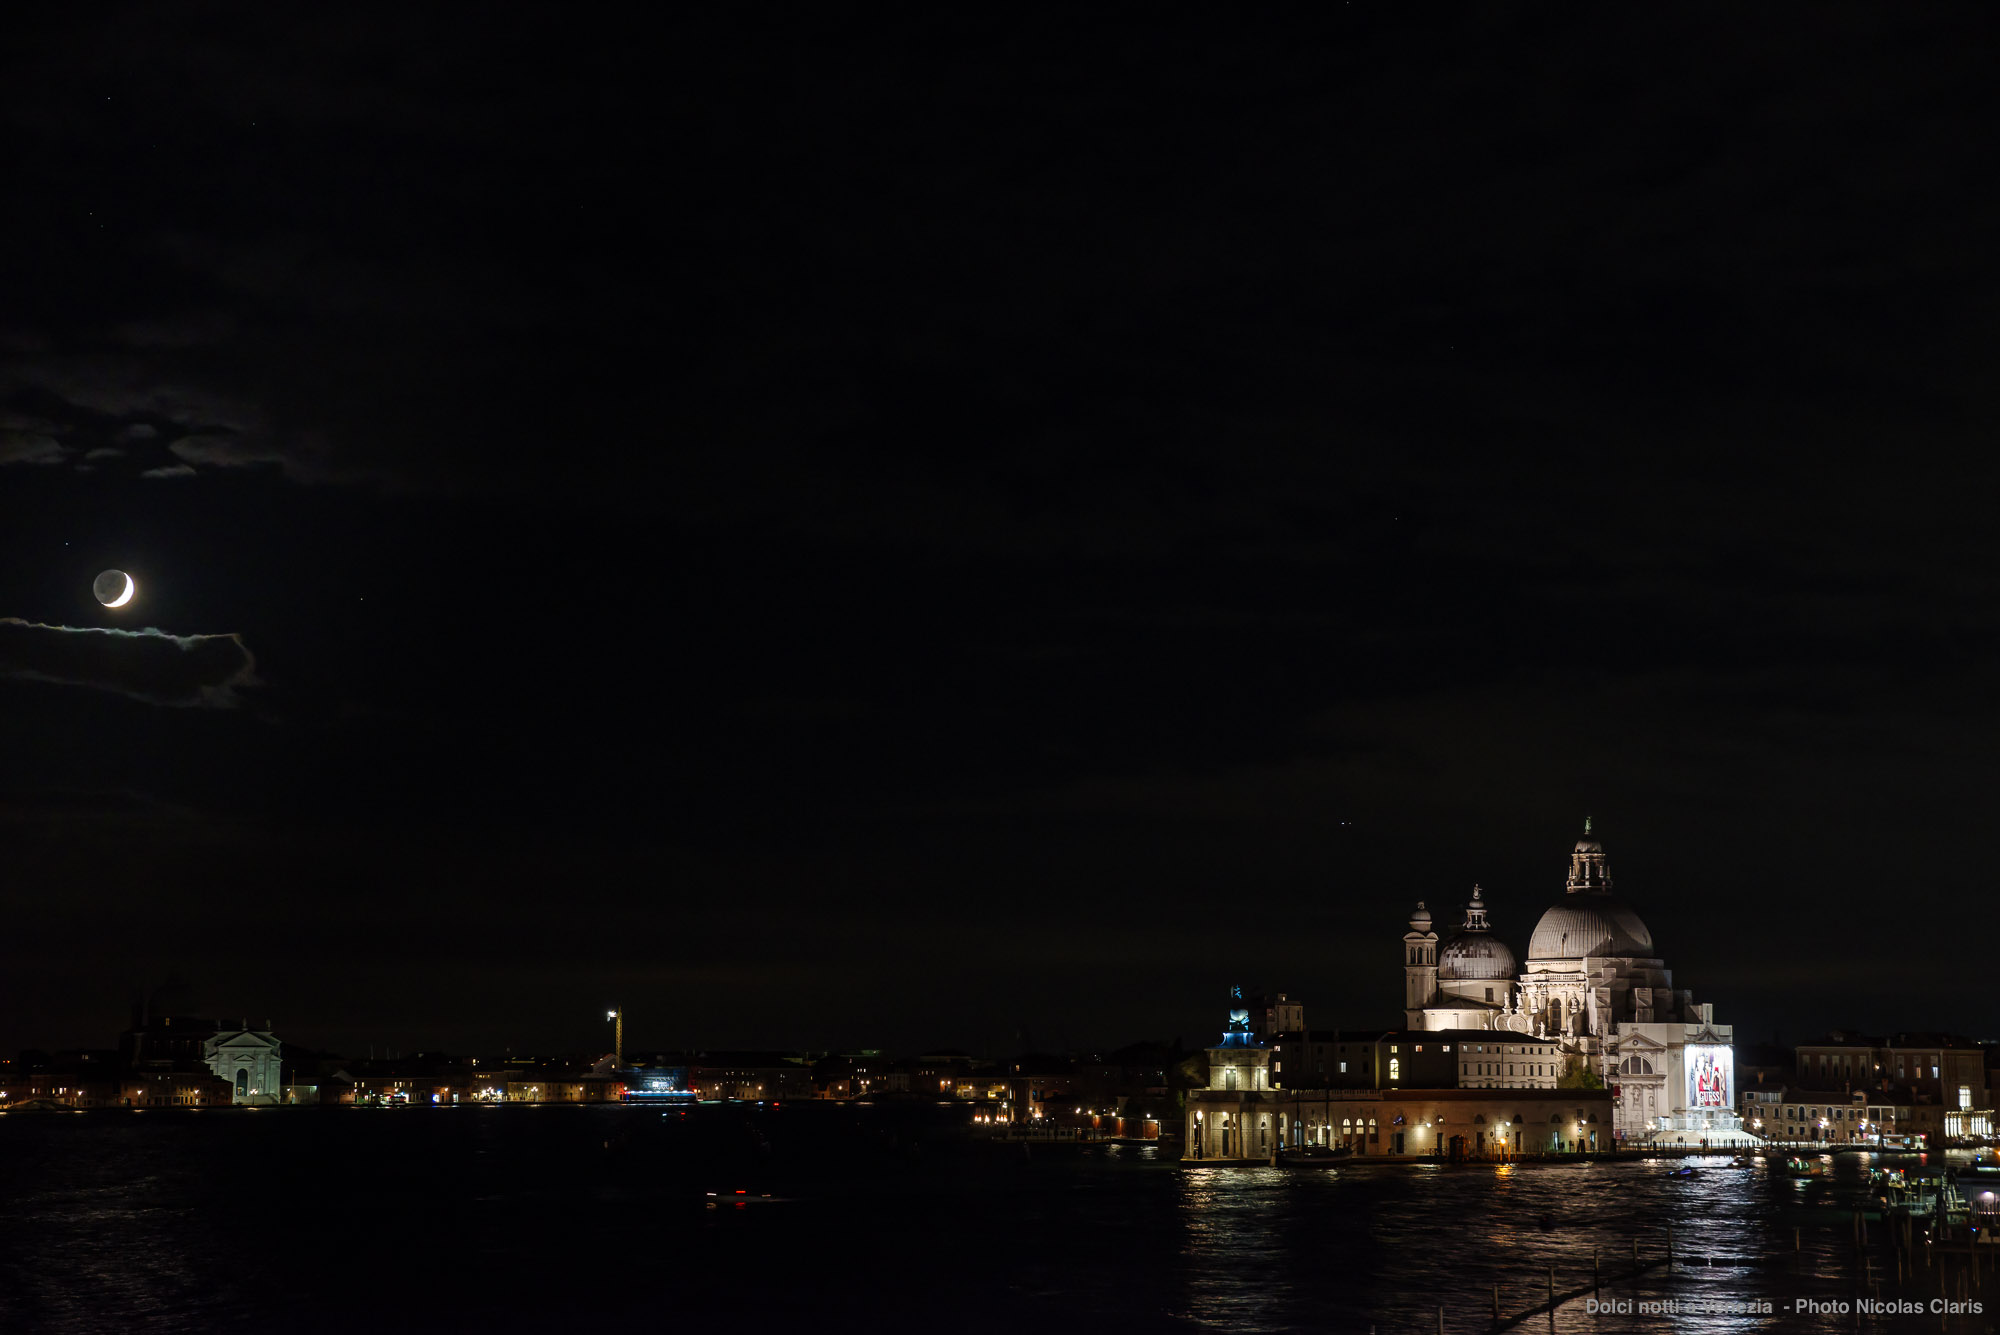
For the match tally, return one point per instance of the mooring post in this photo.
(1496, 1302)
(1635, 1251)
(1552, 1295)
(1596, 1269)
(1670, 1246)
(1440, 1321)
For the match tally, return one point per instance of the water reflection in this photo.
(1385, 1247)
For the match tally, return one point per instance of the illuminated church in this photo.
(1592, 982)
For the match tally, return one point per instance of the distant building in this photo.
(656, 1084)
(1940, 1068)
(1820, 1116)
(1941, 1078)
(1419, 1058)
(251, 1061)
(752, 1076)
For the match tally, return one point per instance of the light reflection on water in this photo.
(509, 1218)
(1384, 1247)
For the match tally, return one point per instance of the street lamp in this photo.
(617, 1016)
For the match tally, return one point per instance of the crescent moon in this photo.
(131, 587)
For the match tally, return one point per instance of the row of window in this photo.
(1481, 1047)
(1795, 1113)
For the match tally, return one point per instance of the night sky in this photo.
(833, 531)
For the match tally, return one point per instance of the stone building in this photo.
(249, 1060)
(1594, 984)
(1939, 1068)
(1467, 1094)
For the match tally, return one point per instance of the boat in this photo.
(1796, 1167)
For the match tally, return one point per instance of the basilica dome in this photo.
(1475, 955)
(1590, 924)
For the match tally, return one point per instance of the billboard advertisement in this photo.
(1711, 1076)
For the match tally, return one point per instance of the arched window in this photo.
(242, 1081)
(1395, 1068)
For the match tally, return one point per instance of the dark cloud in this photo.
(209, 671)
(28, 447)
(225, 449)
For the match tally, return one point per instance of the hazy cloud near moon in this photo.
(151, 665)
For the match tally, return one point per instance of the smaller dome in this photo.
(1420, 921)
(1475, 956)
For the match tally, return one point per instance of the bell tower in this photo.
(1420, 968)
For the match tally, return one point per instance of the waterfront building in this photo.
(655, 1084)
(1430, 1098)
(1938, 1068)
(1236, 1117)
(750, 1076)
(1413, 1058)
(250, 1060)
(1594, 985)
(1940, 1080)
(71, 1086)
(1821, 1116)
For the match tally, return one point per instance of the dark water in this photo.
(509, 1218)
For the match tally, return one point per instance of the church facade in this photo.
(251, 1060)
(1593, 984)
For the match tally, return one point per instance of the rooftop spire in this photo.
(1589, 869)
(1475, 912)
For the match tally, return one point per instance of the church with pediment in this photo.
(251, 1061)
(1593, 982)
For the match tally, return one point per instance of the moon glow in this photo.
(114, 588)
